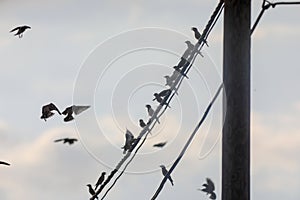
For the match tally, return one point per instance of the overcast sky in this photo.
(113, 55)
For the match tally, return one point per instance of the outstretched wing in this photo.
(79, 109)
(161, 144)
(211, 185)
(14, 29)
(4, 163)
(53, 107)
(59, 140)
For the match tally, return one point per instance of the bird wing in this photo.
(211, 185)
(4, 163)
(128, 135)
(59, 140)
(67, 110)
(161, 144)
(14, 29)
(53, 107)
(79, 109)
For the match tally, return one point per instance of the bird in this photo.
(67, 140)
(164, 93)
(151, 112)
(46, 111)
(189, 49)
(169, 80)
(160, 144)
(159, 99)
(100, 180)
(21, 30)
(209, 188)
(91, 190)
(73, 109)
(198, 35)
(142, 123)
(4, 163)
(164, 172)
(129, 140)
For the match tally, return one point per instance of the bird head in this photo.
(148, 106)
(194, 29)
(166, 76)
(162, 166)
(89, 185)
(188, 42)
(103, 173)
(141, 120)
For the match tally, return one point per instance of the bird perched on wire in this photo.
(209, 188)
(20, 30)
(4, 163)
(46, 111)
(91, 190)
(73, 109)
(198, 35)
(100, 180)
(160, 144)
(169, 80)
(129, 140)
(164, 172)
(142, 123)
(159, 99)
(151, 112)
(67, 140)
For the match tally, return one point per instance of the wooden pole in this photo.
(236, 111)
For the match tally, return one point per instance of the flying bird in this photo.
(91, 190)
(160, 144)
(100, 180)
(164, 172)
(198, 35)
(4, 163)
(209, 188)
(46, 111)
(151, 112)
(129, 140)
(73, 109)
(67, 140)
(20, 30)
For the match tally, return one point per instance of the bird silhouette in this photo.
(209, 188)
(91, 190)
(169, 80)
(73, 109)
(198, 35)
(67, 140)
(151, 112)
(159, 99)
(46, 111)
(100, 180)
(129, 140)
(160, 144)
(142, 123)
(164, 172)
(21, 30)
(4, 163)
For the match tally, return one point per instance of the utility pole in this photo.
(236, 103)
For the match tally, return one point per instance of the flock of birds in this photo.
(161, 97)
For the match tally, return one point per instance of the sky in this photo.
(113, 55)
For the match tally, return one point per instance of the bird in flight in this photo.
(73, 109)
(20, 30)
(151, 112)
(160, 144)
(198, 35)
(129, 140)
(164, 172)
(209, 188)
(4, 163)
(67, 140)
(91, 190)
(46, 111)
(100, 180)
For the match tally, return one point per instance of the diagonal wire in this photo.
(174, 86)
(266, 5)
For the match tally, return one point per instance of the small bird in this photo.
(169, 80)
(189, 49)
(164, 93)
(198, 35)
(67, 140)
(73, 109)
(129, 140)
(142, 123)
(151, 112)
(100, 180)
(164, 172)
(159, 99)
(91, 190)
(4, 163)
(160, 145)
(209, 188)
(21, 30)
(46, 111)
